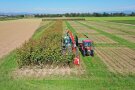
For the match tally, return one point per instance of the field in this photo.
(112, 67)
(14, 33)
(118, 60)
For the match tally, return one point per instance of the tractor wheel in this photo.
(89, 54)
(92, 53)
(83, 52)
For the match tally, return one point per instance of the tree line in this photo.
(72, 15)
(85, 15)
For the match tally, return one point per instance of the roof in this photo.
(84, 39)
(87, 40)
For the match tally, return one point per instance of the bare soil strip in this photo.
(35, 72)
(118, 59)
(123, 26)
(14, 33)
(98, 38)
(130, 38)
(50, 71)
(106, 29)
(114, 26)
(92, 34)
(80, 28)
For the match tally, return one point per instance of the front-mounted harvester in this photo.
(74, 44)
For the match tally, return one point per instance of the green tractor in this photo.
(66, 42)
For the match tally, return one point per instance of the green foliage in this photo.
(46, 50)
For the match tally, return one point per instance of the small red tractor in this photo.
(86, 46)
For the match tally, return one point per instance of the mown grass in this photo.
(124, 21)
(110, 18)
(97, 78)
(113, 37)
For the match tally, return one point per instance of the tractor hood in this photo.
(88, 48)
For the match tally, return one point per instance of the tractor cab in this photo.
(86, 46)
(87, 43)
(67, 41)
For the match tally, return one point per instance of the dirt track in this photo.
(14, 33)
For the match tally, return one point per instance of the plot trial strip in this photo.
(118, 60)
(130, 38)
(116, 27)
(98, 38)
(80, 28)
(106, 29)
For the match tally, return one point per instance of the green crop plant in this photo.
(46, 50)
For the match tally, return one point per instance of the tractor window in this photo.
(67, 40)
(87, 44)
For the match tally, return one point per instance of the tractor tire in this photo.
(83, 52)
(92, 53)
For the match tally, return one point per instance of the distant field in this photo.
(110, 18)
(5, 19)
(125, 21)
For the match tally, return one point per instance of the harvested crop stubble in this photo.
(98, 38)
(73, 23)
(49, 70)
(81, 29)
(103, 28)
(124, 29)
(130, 38)
(118, 59)
(119, 26)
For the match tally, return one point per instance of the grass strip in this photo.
(71, 28)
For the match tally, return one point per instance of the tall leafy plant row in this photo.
(46, 50)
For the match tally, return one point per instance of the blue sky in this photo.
(64, 6)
